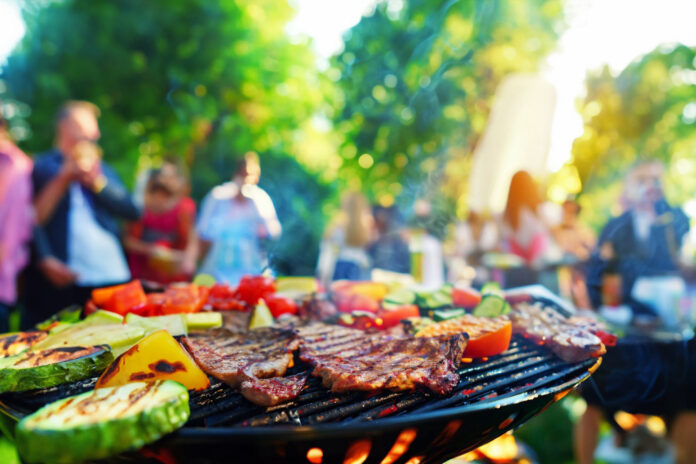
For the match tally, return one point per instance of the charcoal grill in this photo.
(492, 397)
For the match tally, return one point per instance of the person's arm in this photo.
(57, 272)
(112, 195)
(48, 197)
(132, 242)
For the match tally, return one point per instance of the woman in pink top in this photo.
(16, 219)
(524, 231)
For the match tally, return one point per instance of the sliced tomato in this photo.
(487, 344)
(102, 296)
(487, 336)
(279, 305)
(465, 297)
(155, 301)
(253, 288)
(391, 317)
(183, 298)
(127, 298)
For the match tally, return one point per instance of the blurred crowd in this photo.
(61, 214)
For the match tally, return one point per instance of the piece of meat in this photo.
(276, 390)
(234, 358)
(348, 359)
(236, 321)
(571, 341)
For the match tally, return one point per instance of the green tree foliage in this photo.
(207, 81)
(416, 82)
(648, 111)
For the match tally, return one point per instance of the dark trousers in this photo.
(42, 299)
(4, 317)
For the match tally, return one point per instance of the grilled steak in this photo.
(570, 341)
(237, 358)
(268, 392)
(348, 359)
(236, 321)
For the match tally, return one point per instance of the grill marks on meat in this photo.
(243, 360)
(348, 359)
(269, 392)
(570, 341)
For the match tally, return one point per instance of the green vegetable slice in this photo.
(114, 335)
(14, 343)
(202, 320)
(445, 314)
(48, 368)
(492, 288)
(103, 422)
(173, 323)
(492, 306)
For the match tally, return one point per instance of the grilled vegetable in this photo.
(487, 336)
(69, 315)
(391, 317)
(174, 323)
(98, 317)
(261, 317)
(492, 306)
(492, 288)
(102, 423)
(465, 297)
(121, 299)
(202, 320)
(445, 314)
(413, 325)
(156, 357)
(15, 343)
(399, 297)
(114, 335)
(48, 368)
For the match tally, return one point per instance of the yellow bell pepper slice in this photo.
(156, 357)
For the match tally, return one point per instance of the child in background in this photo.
(156, 242)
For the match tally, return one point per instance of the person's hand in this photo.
(92, 178)
(70, 171)
(57, 272)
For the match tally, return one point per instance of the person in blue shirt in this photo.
(78, 199)
(644, 241)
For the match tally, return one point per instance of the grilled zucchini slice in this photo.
(48, 368)
(102, 422)
(14, 343)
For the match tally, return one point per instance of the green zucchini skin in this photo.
(17, 379)
(108, 436)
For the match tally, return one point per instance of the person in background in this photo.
(77, 198)
(390, 250)
(574, 238)
(343, 253)
(644, 241)
(524, 231)
(576, 241)
(16, 219)
(230, 230)
(470, 240)
(261, 199)
(156, 243)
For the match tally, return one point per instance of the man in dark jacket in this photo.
(644, 241)
(77, 198)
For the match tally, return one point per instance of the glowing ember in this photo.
(358, 452)
(315, 455)
(401, 445)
